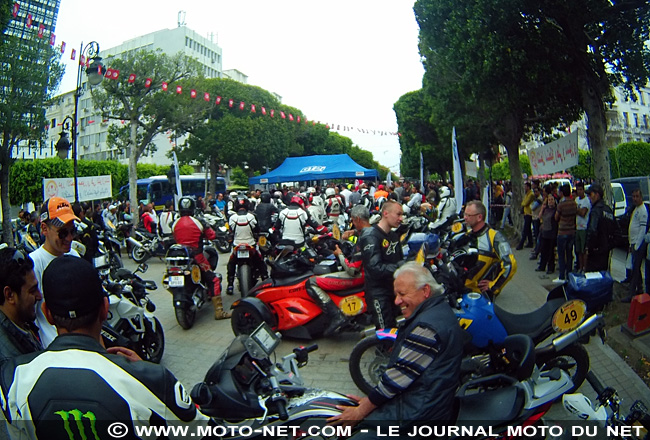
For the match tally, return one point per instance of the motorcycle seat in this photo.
(295, 279)
(147, 234)
(499, 405)
(533, 324)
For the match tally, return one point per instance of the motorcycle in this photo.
(218, 222)
(285, 305)
(246, 389)
(148, 245)
(109, 244)
(183, 279)
(130, 322)
(247, 274)
(606, 411)
(24, 241)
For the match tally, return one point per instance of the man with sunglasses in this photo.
(57, 226)
(20, 292)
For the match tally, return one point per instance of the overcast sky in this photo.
(343, 62)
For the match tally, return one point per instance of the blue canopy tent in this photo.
(299, 169)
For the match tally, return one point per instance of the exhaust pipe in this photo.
(594, 322)
(134, 242)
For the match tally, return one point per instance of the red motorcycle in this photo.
(286, 306)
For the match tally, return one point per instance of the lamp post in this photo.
(95, 73)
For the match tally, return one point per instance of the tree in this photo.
(5, 15)
(149, 111)
(606, 42)
(489, 73)
(30, 73)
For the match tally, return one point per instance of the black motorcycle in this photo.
(183, 279)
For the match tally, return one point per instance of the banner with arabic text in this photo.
(558, 155)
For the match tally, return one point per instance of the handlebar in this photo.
(595, 383)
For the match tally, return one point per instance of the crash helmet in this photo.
(277, 195)
(297, 200)
(444, 192)
(233, 195)
(364, 191)
(329, 192)
(311, 190)
(265, 197)
(242, 203)
(186, 205)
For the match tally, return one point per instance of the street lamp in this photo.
(95, 73)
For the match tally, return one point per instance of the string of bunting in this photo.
(114, 74)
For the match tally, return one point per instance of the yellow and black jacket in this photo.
(495, 261)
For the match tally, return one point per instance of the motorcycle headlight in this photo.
(101, 262)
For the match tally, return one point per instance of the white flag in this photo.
(458, 173)
(421, 172)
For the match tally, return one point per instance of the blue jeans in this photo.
(565, 254)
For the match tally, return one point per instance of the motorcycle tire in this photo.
(152, 343)
(115, 261)
(185, 316)
(573, 359)
(245, 277)
(139, 254)
(224, 246)
(245, 319)
(368, 361)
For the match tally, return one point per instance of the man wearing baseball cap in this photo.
(76, 384)
(58, 228)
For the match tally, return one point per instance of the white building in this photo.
(93, 131)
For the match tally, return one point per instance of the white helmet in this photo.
(364, 191)
(329, 192)
(444, 192)
(233, 195)
(311, 190)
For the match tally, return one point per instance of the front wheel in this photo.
(245, 319)
(152, 342)
(573, 359)
(139, 254)
(245, 277)
(223, 246)
(368, 361)
(185, 316)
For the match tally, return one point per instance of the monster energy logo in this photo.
(77, 417)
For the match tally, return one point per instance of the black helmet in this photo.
(242, 203)
(186, 206)
(266, 197)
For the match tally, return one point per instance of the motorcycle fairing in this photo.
(483, 326)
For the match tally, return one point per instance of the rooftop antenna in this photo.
(181, 18)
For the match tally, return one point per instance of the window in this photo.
(53, 123)
(626, 121)
(641, 98)
(645, 121)
(636, 119)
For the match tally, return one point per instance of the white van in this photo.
(620, 200)
(560, 182)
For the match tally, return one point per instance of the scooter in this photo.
(183, 279)
(245, 391)
(286, 306)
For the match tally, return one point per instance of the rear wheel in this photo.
(368, 361)
(152, 343)
(245, 319)
(139, 254)
(573, 359)
(245, 276)
(185, 316)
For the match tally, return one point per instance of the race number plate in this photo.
(262, 241)
(176, 281)
(351, 305)
(569, 316)
(196, 274)
(242, 254)
(336, 232)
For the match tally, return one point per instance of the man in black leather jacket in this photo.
(600, 218)
(381, 251)
(264, 211)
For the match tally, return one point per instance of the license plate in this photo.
(242, 254)
(176, 281)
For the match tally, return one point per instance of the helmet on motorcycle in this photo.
(297, 200)
(329, 192)
(417, 240)
(186, 205)
(582, 407)
(444, 192)
(265, 197)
